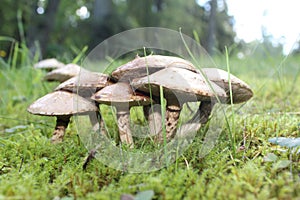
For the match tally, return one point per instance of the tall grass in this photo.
(231, 128)
(29, 160)
(229, 125)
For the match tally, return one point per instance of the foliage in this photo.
(59, 30)
(32, 168)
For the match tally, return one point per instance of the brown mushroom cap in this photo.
(240, 90)
(86, 81)
(138, 67)
(120, 93)
(64, 73)
(61, 103)
(180, 81)
(50, 63)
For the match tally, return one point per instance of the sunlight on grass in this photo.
(28, 159)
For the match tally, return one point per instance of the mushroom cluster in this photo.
(139, 82)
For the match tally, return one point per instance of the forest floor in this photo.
(242, 165)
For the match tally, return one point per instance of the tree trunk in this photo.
(211, 35)
(102, 8)
(41, 31)
(158, 5)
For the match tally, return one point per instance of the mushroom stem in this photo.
(153, 116)
(97, 122)
(172, 118)
(123, 118)
(203, 113)
(60, 128)
(205, 109)
(171, 121)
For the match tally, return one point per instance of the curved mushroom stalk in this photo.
(172, 118)
(152, 114)
(203, 113)
(123, 119)
(205, 109)
(60, 128)
(154, 118)
(97, 122)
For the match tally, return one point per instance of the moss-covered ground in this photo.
(240, 166)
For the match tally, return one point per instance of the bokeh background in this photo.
(61, 28)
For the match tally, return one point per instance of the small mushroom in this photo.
(123, 98)
(49, 64)
(179, 86)
(143, 66)
(241, 92)
(62, 105)
(64, 73)
(85, 83)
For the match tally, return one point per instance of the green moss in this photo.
(33, 168)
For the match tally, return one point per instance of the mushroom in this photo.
(241, 92)
(143, 66)
(123, 98)
(62, 105)
(86, 84)
(179, 86)
(49, 64)
(64, 73)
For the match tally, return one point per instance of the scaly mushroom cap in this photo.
(240, 90)
(64, 73)
(49, 64)
(86, 81)
(138, 67)
(120, 93)
(60, 103)
(189, 85)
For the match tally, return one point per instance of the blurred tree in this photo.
(220, 31)
(43, 25)
(296, 49)
(64, 27)
(225, 31)
(107, 19)
(10, 23)
(211, 32)
(210, 20)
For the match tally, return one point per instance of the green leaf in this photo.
(270, 157)
(285, 142)
(144, 195)
(281, 164)
(15, 128)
